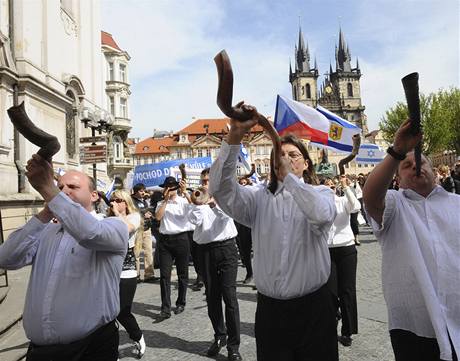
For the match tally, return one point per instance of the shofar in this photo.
(49, 144)
(349, 158)
(224, 101)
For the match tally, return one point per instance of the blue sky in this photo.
(172, 45)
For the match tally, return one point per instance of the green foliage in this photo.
(440, 118)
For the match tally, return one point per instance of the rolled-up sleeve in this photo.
(315, 202)
(109, 234)
(235, 200)
(20, 248)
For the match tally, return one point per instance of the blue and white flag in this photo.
(370, 154)
(110, 189)
(154, 174)
(243, 157)
(341, 131)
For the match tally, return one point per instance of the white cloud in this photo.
(172, 45)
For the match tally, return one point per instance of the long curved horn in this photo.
(225, 97)
(49, 144)
(410, 85)
(352, 155)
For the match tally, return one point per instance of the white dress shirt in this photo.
(289, 229)
(74, 283)
(211, 224)
(175, 219)
(341, 234)
(420, 240)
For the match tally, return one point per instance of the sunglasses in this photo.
(117, 200)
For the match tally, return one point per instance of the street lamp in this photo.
(98, 120)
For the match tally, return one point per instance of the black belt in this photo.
(292, 301)
(175, 235)
(225, 242)
(73, 350)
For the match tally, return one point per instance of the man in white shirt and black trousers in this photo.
(418, 228)
(215, 234)
(173, 244)
(290, 222)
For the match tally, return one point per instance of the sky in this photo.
(172, 44)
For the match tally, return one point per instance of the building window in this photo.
(350, 89)
(123, 110)
(111, 74)
(303, 90)
(112, 105)
(259, 168)
(295, 92)
(117, 147)
(308, 91)
(267, 168)
(208, 152)
(123, 73)
(200, 152)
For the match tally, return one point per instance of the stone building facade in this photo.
(203, 138)
(50, 59)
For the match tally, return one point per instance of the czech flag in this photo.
(300, 120)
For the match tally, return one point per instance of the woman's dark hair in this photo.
(309, 175)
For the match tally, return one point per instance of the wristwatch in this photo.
(394, 154)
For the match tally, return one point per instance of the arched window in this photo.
(308, 91)
(259, 168)
(295, 92)
(350, 89)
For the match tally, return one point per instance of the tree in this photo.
(440, 119)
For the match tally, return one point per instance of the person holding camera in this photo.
(122, 206)
(173, 245)
(144, 236)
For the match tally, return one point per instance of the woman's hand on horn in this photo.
(239, 128)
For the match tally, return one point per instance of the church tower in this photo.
(341, 91)
(304, 79)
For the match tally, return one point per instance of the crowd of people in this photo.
(296, 235)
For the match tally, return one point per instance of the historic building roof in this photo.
(214, 126)
(108, 40)
(154, 146)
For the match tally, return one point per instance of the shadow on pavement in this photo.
(251, 297)
(157, 339)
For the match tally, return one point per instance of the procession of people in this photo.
(296, 238)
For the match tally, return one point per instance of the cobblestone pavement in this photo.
(186, 337)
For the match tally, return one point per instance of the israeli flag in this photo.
(370, 154)
(243, 157)
(109, 191)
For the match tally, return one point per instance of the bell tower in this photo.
(303, 79)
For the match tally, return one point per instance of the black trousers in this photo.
(194, 249)
(220, 267)
(354, 224)
(342, 283)
(101, 344)
(407, 346)
(299, 329)
(125, 317)
(173, 248)
(244, 242)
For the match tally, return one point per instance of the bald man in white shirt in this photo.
(418, 228)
